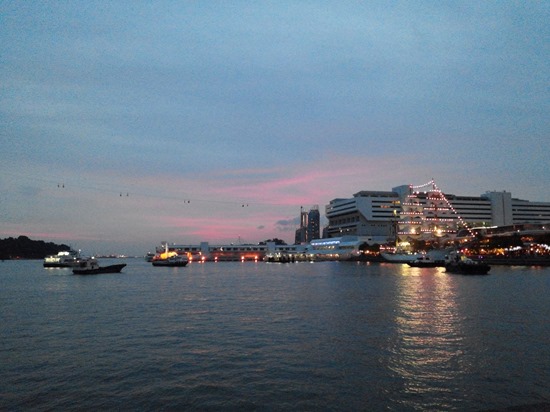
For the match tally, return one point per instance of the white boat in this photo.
(63, 259)
(399, 257)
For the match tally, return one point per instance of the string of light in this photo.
(430, 183)
(441, 195)
(452, 208)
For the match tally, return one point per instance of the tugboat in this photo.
(91, 267)
(457, 263)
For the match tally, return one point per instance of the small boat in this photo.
(399, 257)
(456, 263)
(63, 259)
(426, 261)
(169, 258)
(172, 261)
(91, 267)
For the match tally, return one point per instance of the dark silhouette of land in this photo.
(25, 248)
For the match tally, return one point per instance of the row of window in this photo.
(343, 221)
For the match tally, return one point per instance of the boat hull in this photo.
(433, 264)
(468, 268)
(99, 270)
(60, 265)
(165, 263)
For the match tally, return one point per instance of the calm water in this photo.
(256, 336)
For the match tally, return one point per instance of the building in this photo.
(505, 210)
(313, 224)
(301, 232)
(367, 213)
(340, 248)
(205, 252)
(309, 226)
(426, 213)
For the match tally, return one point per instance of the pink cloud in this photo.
(218, 206)
(308, 184)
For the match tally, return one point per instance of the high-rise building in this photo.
(309, 225)
(313, 223)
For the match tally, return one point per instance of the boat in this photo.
(398, 254)
(172, 261)
(91, 267)
(426, 261)
(457, 263)
(169, 258)
(399, 257)
(63, 259)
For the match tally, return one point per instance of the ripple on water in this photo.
(255, 336)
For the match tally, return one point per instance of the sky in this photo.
(128, 123)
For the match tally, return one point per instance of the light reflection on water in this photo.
(428, 342)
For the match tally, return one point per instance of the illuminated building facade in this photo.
(426, 213)
(205, 252)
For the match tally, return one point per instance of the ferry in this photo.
(63, 259)
(400, 257)
(169, 258)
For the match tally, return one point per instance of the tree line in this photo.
(25, 248)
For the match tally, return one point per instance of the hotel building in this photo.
(424, 212)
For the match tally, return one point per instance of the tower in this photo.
(309, 225)
(313, 224)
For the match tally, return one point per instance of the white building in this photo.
(421, 212)
(232, 252)
(367, 213)
(345, 247)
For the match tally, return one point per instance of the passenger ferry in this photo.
(63, 259)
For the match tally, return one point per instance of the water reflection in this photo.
(426, 346)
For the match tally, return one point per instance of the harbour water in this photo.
(258, 336)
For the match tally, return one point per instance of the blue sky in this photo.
(216, 120)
